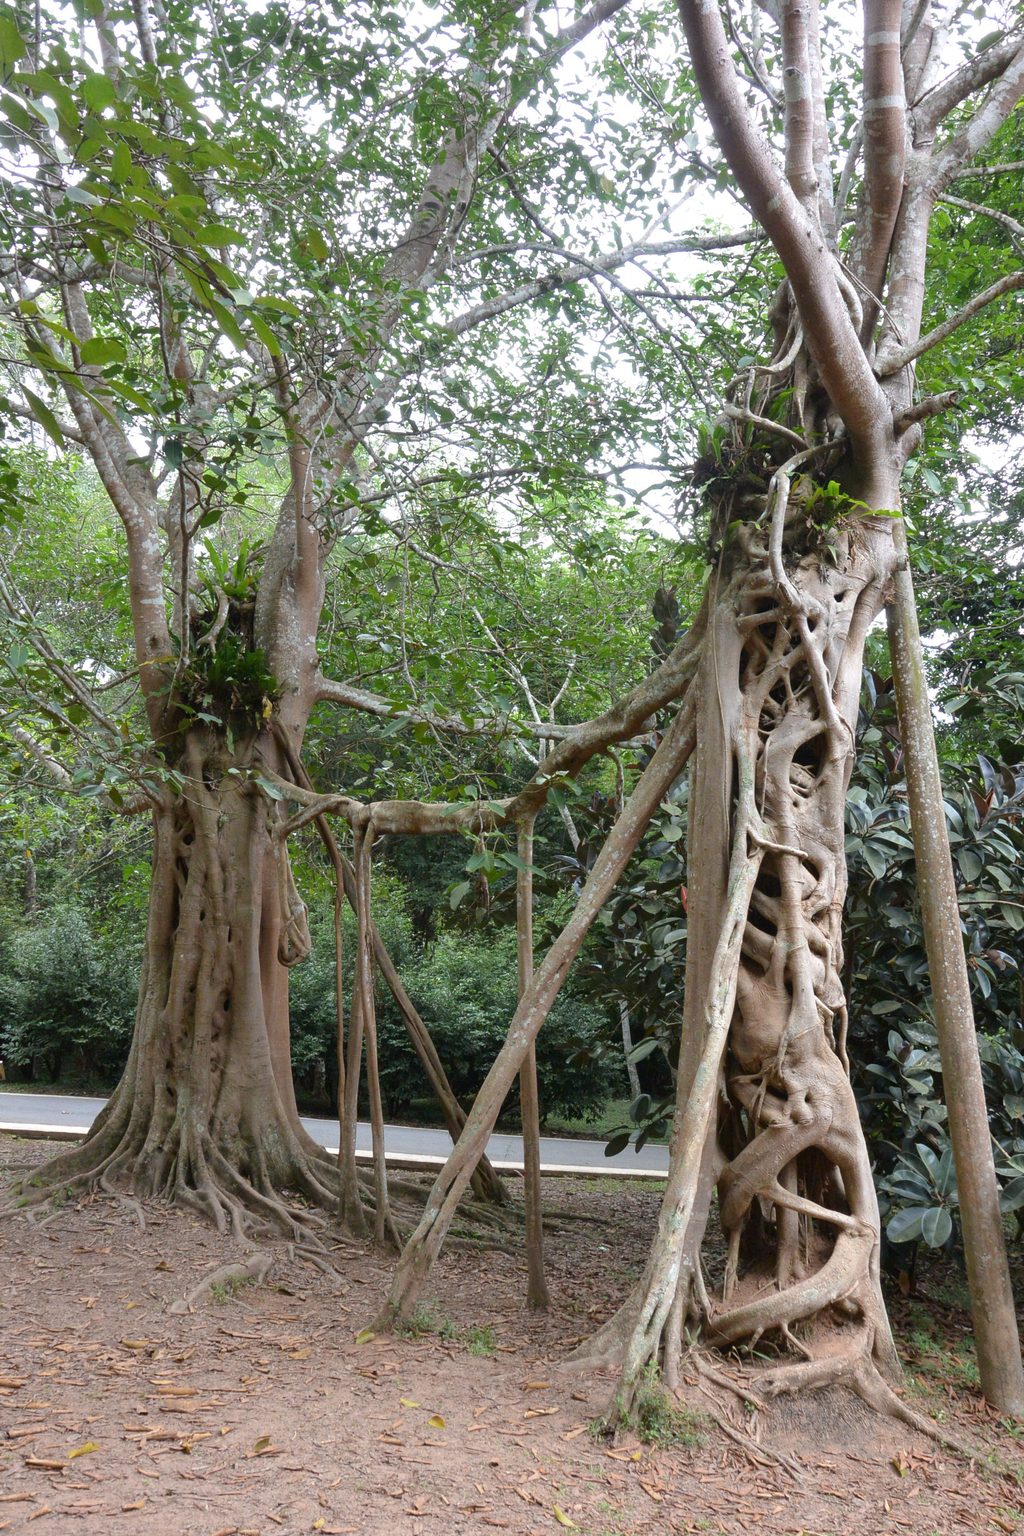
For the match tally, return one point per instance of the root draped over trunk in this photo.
(765, 1109)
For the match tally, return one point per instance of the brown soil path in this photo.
(261, 1413)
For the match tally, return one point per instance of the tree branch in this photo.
(884, 137)
(1016, 230)
(895, 361)
(800, 243)
(987, 120)
(799, 115)
(936, 105)
(1005, 169)
(56, 770)
(550, 282)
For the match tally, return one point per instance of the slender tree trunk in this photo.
(988, 1272)
(383, 1222)
(627, 1050)
(339, 1005)
(425, 1243)
(536, 1285)
(350, 1206)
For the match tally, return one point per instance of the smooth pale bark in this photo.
(383, 1223)
(627, 1049)
(988, 1272)
(536, 1284)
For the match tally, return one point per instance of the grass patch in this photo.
(656, 1419)
(225, 1292)
(480, 1340)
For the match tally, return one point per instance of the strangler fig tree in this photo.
(801, 476)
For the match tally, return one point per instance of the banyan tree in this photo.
(799, 475)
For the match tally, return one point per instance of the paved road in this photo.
(402, 1143)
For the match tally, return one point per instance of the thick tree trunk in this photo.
(765, 1108)
(199, 1115)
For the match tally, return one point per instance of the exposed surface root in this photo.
(862, 1377)
(254, 1270)
(756, 1448)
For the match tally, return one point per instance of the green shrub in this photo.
(466, 992)
(67, 999)
(464, 987)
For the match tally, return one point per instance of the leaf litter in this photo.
(280, 1429)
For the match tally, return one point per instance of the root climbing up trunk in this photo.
(765, 1108)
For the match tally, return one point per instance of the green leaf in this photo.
(265, 335)
(228, 324)
(121, 164)
(285, 306)
(220, 234)
(875, 860)
(1012, 1197)
(47, 420)
(133, 396)
(98, 92)
(936, 1225)
(102, 349)
(12, 48)
(268, 788)
(315, 244)
(905, 1226)
(461, 891)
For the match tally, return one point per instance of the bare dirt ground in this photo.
(260, 1412)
